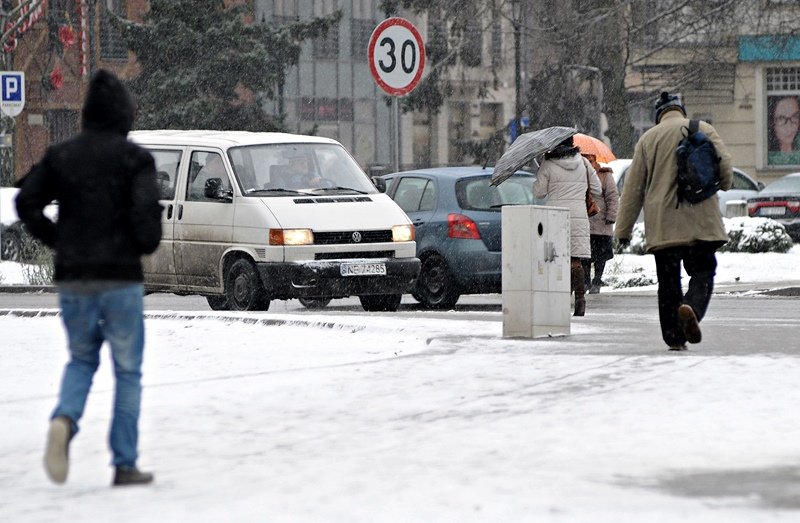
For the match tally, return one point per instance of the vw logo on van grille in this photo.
(356, 237)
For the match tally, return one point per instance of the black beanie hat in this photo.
(667, 101)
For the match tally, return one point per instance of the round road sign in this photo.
(396, 56)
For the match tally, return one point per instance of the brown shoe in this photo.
(689, 324)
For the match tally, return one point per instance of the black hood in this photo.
(108, 106)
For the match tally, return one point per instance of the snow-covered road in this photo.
(374, 418)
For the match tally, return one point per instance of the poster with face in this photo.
(783, 124)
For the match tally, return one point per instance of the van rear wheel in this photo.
(243, 288)
(380, 302)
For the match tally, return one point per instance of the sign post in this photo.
(396, 60)
(12, 92)
(12, 97)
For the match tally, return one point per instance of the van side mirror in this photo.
(761, 185)
(213, 190)
(379, 183)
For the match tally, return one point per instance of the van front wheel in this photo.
(380, 302)
(243, 288)
(217, 303)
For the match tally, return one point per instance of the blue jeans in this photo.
(115, 316)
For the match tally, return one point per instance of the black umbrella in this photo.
(527, 147)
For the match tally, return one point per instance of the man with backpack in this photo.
(676, 230)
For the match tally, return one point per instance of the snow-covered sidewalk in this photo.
(375, 418)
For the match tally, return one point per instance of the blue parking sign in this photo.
(12, 92)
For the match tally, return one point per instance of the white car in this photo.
(744, 186)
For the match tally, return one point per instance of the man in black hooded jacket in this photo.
(109, 216)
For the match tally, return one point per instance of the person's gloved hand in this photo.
(624, 242)
(609, 222)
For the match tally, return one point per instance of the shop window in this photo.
(783, 115)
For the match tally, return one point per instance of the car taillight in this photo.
(752, 208)
(793, 205)
(460, 226)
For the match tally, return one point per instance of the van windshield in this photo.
(316, 168)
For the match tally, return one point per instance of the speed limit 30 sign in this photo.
(396, 56)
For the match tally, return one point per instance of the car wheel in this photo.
(380, 302)
(11, 246)
(315, 303)
(217, 303)
(243, 288)
(435, 288)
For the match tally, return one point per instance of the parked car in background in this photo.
(16, 244)
(780, 201)
(743, 187)
(457, 216)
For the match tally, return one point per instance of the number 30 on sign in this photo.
(396, 56)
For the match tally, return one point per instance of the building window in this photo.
(458, 124)
(285, 8)
(496, 47)
(62, 124)
(61, 11)
(491, 118)
(112, 46)
(472, 44)
(326, 109)
(360, 32)
(783, 115)
(327, 47)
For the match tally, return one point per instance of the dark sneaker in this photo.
(594, 288)
(682, 346)
(56, 453)
(689, 324)
(131, 476)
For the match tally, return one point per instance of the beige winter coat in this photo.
(602, 223)
(651, 182)
(563, 182)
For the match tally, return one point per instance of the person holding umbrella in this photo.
(601, 227)
(563, 178)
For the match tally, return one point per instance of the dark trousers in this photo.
(700, 264)
(599, 267)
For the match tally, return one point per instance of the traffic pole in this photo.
(396, 132)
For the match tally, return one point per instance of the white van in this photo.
(253, 217)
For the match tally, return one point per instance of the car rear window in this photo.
(476, 193)
(788, 184)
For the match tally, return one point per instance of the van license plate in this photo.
(363, 269)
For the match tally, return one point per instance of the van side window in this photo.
(167, 163)
(205, 166)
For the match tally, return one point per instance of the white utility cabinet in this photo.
(536, 282)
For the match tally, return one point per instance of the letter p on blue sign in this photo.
(12, 92)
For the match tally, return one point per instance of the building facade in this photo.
(58, 51)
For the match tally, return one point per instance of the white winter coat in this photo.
(563, 181)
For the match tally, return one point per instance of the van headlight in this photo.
(403, 233)
(291, 237)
